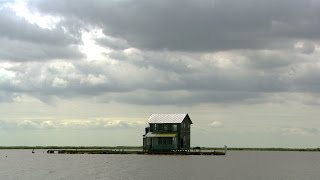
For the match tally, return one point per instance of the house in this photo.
(167, 132)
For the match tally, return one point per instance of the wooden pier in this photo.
(100, 151)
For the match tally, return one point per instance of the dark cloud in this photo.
(15, 50)
(17, 28)
(23, 41)
(6, 96)
(270, 61)
(164, 52)
(164, 79)
(197, 26)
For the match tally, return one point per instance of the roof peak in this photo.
(167, 118)
(169, 113)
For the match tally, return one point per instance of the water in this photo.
(236, 165)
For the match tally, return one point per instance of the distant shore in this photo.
(140, 148)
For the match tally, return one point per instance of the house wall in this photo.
(163, 147)
(184, 134)
(165, 127)
(146, 143)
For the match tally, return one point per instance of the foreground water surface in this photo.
(236, 165)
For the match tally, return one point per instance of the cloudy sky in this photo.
(90, 72)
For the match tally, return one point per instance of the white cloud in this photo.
(28, 124)
(90, 48)
(94, 79)
(216, 124)
(44, 21)
(49, 123)
(306, 47)
(6, 75)
(299, 131)
(59, 83)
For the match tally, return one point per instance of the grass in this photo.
(264, 149)
(70, 147)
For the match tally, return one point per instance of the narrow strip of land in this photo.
(139, 148)
(101, 151)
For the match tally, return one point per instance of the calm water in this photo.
(21, 164)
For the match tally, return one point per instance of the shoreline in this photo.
(140, 148)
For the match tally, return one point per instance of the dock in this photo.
(100, 151)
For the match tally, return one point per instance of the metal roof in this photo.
(150, 134)
(166, 118)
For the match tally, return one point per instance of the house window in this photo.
(174, 127)
(165, 127)
(155, 127)
(165, 140)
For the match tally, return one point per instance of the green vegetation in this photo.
(263, 149)
(70, 147)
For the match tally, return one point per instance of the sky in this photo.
(91, 72)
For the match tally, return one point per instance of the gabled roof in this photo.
(167, 118)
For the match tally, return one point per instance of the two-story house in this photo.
(167, 132)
